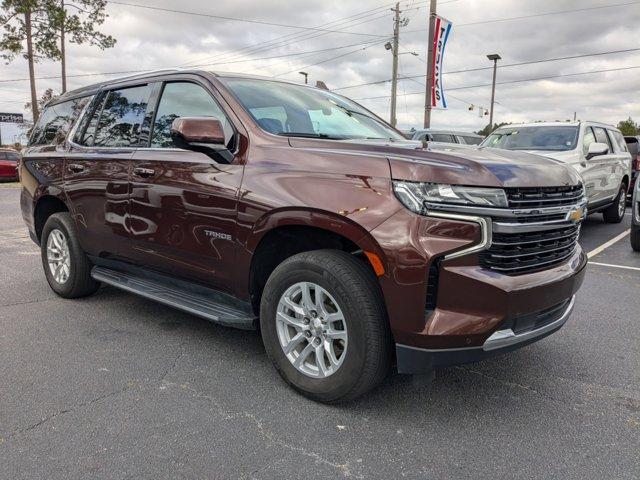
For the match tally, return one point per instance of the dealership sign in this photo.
(440, 36)
(11, 118)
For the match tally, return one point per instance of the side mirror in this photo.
(201, 134)
(596, 149)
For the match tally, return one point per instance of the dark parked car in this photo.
(633, 145)
(257, 203)
(8, 164)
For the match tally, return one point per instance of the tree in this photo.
(488, 128)
(80, 27)
(628, 127)
(29, 31)
(46, 97)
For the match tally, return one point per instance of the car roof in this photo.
(452, 132)
(94, 88)
(576, 123)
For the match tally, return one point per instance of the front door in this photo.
(593, 171)
(183, 204)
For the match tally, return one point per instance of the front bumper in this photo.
(422, 360)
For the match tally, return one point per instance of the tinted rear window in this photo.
(121, 117)
(56, 121)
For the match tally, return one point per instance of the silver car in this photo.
(447, 136)
(595, 150)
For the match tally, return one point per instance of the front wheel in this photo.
(324, 325)
(615, 212)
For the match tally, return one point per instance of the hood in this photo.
(468, 165)
(561, 155)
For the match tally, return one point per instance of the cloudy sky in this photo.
(343, 45)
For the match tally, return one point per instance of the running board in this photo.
(195, 299)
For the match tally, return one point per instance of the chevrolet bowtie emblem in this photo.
(576, 215)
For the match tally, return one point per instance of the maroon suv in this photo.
(257, 203)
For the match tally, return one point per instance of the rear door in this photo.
(183, 204)
(97, 169)
(610, 165)
(623, 156)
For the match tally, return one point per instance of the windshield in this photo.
(298, 111)
(553, 138)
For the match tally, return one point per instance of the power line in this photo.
(529, 62)
(235, 19)
(329, 59)
(535, 15)
(517, 81)
(288, 39)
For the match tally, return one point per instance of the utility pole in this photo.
(394, 75)
(430, 53)
(63, 56)
(495, 57)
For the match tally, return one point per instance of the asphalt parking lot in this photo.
(114, 386)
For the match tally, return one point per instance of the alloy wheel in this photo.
(311, 329)
(622, 202)
(58, 256)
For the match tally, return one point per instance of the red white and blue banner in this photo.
(440, 37)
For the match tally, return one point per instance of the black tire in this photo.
(635, 237)
(79, 282)
(355, 289)
(612, 213)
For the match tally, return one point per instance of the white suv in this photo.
(595, 150)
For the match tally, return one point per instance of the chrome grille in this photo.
(525, 252)
(539, 197)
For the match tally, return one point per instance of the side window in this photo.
(588, 139)
(121, 118)
(471, 140)
(442, 137)
(602, 137)
(185, 99)
(56, 121)
(618, 140)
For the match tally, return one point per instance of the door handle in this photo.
(76, 167)
(144, 172)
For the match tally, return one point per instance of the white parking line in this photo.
(614, 266)
(599, 249)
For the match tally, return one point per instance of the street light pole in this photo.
(306, 75)
(495, 57)
(430, 53)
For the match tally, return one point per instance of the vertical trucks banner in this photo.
(440, 37)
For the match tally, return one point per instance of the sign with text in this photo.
(11, 118)
(440, 37)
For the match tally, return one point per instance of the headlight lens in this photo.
(414, 195)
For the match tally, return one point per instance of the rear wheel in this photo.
(615, 212)
(324, 325)
(66, 266)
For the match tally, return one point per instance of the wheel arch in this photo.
(283, 233)
(46, 205)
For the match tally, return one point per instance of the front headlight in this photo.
(415, 195)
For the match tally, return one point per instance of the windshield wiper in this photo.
(311, 135)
